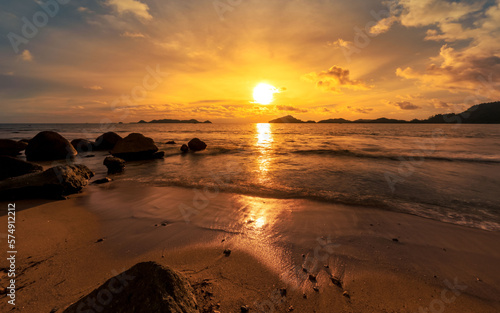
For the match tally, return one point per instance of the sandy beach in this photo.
(384, 261)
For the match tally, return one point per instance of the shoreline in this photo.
(267, 237)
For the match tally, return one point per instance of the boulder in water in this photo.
(12, 167)
(10, 147)
(49, 145)
(135, 147)
(114, 165)
(107, 141)
(82, 145)
(196, 144)
(184, 148)
(146, 287)
(54, 183)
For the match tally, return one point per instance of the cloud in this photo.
(135, 7)
(133, 35)
(94, 87)
(335, 79)
(383, 25)
(26, 56)
(360, 110)
(290, 108)
(406, 105)
(439, 104)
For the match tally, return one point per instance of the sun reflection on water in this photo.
(264, 143)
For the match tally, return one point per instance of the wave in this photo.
(402, 157)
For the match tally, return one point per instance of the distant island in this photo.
(485, 113)
(167, 121)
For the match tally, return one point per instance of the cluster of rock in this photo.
(146, 287)
(194, 145)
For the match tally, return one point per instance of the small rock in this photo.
(326, 266)
(245, 308)
(99, 240)
(164, 224)
(115, 165)
(82, 145)
(283, 292)
(196, 144)
(315, 288)
(102, 181)
(90, 156)
(304, 270)
(171, 142)
(395, 239)
(184, 148)
(336, 282)
(227, 252)
(290, 308)
(312, 277)
(136, 147)
(346, 294)
(304, 296)
(54, 310)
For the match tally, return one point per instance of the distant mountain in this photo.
(166, 121)
(485, 113)
(286, 119)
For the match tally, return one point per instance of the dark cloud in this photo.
(335, 79)
(406, 105)
(360, 110)
(290, 108)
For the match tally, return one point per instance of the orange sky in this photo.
(126, 60)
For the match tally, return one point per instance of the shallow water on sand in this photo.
(445, 172)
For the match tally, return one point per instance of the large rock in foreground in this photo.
(53, 183)
(107, 141)
(196, 144)
(136, 147)
(49, 145)
(146, 287)
(10, 147)
(12, 167)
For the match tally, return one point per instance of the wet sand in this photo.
(275, 243)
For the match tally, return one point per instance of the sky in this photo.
(127, 60)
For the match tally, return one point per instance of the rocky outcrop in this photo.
(107, 141)
(10, 147)
(12, 167)
(53, 183)
(196, 144)
(136, 147)
(184, 148)
(115, 165)
(49, 145)
(146, 287)
(82, 145)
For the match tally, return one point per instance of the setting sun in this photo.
(264, 93)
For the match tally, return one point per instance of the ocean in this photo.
(444, 172)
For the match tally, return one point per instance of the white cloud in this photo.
(26, 56)
(135, 7)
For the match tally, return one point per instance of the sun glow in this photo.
(264, 93)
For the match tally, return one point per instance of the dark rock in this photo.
(315, 288)
(312, 277)
(245, 308)
(26, 141)
(227, 252)
(283, 292)
(12, 167)
(53, 183)
(171, 142)
(146, 287)
(90, 156)
(49, 145)
(395, 239)
(102, 181)
(158, 155)
(346, 294)
(184, 148)
(82, 145)
(11, 147)
(114, 165)
(196, 144)
(135, 147)
(99, 240)
(337, 282)
(107, 141)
